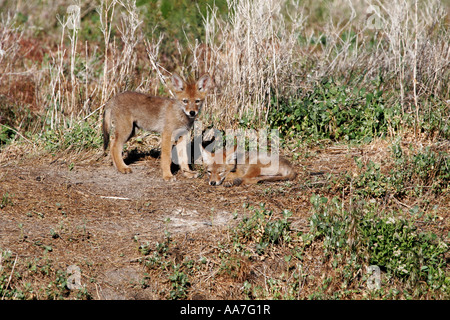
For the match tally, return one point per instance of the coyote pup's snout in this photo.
(130, 110)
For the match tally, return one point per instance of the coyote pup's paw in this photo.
(228, 184)
(125, 170)
(237, 181)
(190, 174)
(169, 178)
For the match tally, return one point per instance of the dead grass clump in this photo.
(252, 55)
(404, 42)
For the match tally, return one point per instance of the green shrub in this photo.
(332, 111)
(426, 171)
(330, 223)
(83, 135)
(261, 229)
(6, 135)
(180, 284)
(396, 245)
(177, 19)
(391, 242)
(160, 259)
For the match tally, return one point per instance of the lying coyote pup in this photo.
(130, 110)
(234, 168)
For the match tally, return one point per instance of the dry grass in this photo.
(252, 55)
(261, 51)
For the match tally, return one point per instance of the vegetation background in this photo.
(329, 75)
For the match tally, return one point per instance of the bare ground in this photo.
(91, 216)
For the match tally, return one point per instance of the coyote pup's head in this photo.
(219, 165)
(191, 94)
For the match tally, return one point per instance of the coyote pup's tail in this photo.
(106, 127)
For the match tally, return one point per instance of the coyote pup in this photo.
(234, 168)
(130, 110)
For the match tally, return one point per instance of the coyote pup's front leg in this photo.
(166, 152)
(181, 147)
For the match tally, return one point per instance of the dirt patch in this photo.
(86, 213)
(76, 209)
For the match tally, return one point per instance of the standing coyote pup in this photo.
(234, 168)
(130, 110)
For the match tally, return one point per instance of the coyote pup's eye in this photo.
(197, 101)
(185, 101)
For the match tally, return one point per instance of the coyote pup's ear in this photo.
(204, 83)
(208, 157)
(177, 82)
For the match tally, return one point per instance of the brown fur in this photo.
(130, 110)
(235, 169)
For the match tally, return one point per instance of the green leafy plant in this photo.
(409, 175)
(396, 245)
(6, 200)
(82, 135)
(157, 258)
(332, 111)
(260, 228)
(388, 241)
(160, 259)
(180, 283)
(177, 19)
(6, 135)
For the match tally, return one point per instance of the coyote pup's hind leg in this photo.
(122, 132)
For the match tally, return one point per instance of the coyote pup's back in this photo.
(134, 109)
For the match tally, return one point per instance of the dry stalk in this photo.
(251, 56)
(153, 48)
(9, 44)
(106, 14)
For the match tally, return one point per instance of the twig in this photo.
(90, 114)
(153, 58)
(116, 198)
(8, 127)
(10, 277)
